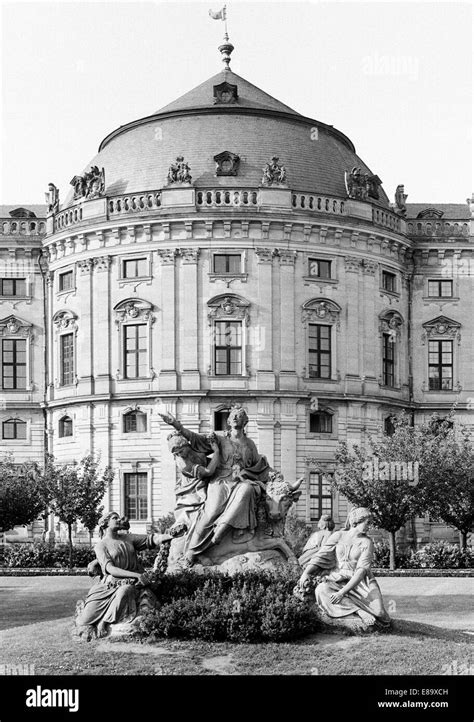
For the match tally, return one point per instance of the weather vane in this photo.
(226, 48)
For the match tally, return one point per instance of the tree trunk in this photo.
(463, 539)
(69, 533)
(90, 538)
(392, 549)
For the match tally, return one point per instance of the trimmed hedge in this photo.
(436, 555)
(41, 555)
(246, 607)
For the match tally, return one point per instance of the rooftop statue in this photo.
(90, 185)
(52, 198)
(400, 200)
(179, 171)
(231, 505)
(346, 593)
(274, 173)
(361, 186)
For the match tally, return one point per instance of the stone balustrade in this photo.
(134, 203)
(381, 217)
(22, 227)
(440, 229)
(316, 203)
(218, 197)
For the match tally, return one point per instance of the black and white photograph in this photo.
(236, 357)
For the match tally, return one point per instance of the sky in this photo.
(395, 77)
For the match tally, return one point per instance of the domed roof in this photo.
(227, 113)
(249, 96)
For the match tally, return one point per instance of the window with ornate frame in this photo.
(134, 319)
(65, 323)
(390, 323)
(228, 319)
(321, 324)
(16, 338)
(442, 336)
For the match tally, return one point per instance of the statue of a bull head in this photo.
(281, 495)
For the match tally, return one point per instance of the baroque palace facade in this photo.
(227, 249)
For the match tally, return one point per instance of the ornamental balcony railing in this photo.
(438, 229)
(184, 199)
(317, 203)
(219, 198)
(22, 227)
(381, 217)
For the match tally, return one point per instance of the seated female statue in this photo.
(348, 593)
(122, 592)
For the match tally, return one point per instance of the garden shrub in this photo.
(42, 555)
(247, 607)
(436, 555)
(441, 555)
(382, 556)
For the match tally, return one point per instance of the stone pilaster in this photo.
(168, 375)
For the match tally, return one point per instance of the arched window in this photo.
(134, 422)
(220, 419)
(13, 429)
(388, 426)
(65, 427)
(320, 422)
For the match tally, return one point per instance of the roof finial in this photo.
(226, 48)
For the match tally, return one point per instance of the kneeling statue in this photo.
(347, 594)
(122, 592)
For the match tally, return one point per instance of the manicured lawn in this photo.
(433, 627)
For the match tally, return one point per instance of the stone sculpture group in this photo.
(230, 515)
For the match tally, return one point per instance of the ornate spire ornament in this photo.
(226, 48)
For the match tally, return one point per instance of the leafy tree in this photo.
(442, 482)
(92, 492)
(447, 473)
(23, 493)
(376, 478)
(75, 490)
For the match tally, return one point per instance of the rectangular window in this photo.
(440, 289)
(135, 268)
(320, 495)
(388, 360)
(440, 365)
(135, 351)
(320, 422)
(13, 363)
(66, 281)
(319, 351)
(319, 268)
(67, 359)
(136, 496)
(12, 287)
(389, 281)
(228, 348)
(227, 263)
